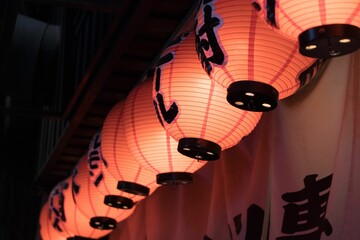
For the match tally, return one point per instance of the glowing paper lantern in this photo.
(324, 28)
(101, 178)
(74, 220)
(150, 144)
(56, 210)
(192, 108)
(240, 52)
(90, 201)
(47, 232)
(134, 181)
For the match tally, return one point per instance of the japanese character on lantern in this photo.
(94, 159)
(170, 114)
(57, 209)
(207, 44)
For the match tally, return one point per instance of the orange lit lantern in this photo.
(240, 52)
(192, 108)
(134, 181)
(56, 210)
(90, 201)
(103, 180)
(47, 232)
(324, 28)
(150, 144)
(74, 220)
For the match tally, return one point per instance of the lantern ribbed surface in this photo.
(47, 232)
(202, 109)
(148, 142)
(97, 166)
(235, 45)
(121, 163)
(56, 207)
(292, 18)
(90, 201)
(75, 221)
(102, 179)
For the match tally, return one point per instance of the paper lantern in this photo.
(56, 210)
(192, 108)
(150, 144)
(47, 232)
(323, 28)
(90, 201)
(74, 220)
(243, 54)
(134, 180)
(101, 178)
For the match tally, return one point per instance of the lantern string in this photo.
(354, 14)
(169, 152)
(136, 140)
(322, 9)
(114, 145)
(251, 43)
(206, 115)
(290, 20)
(286, 64)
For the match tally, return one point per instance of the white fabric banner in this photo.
(312, 153)
(296, 176)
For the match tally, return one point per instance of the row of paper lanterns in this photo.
(207, 91)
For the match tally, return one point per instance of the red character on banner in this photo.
(308, 216)
(254, 226)
(255, 221)
(301, 226)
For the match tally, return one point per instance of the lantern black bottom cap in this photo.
(252, 96)
(133, 188)
(103, 223)
(175, 178)
(330, 40)
(198, 148)
(120, 202)
(79, 238)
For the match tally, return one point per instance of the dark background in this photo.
(63, 65)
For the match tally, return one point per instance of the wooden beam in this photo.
(99, 71)
(100, 74)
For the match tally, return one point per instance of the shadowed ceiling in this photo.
(64, 64)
